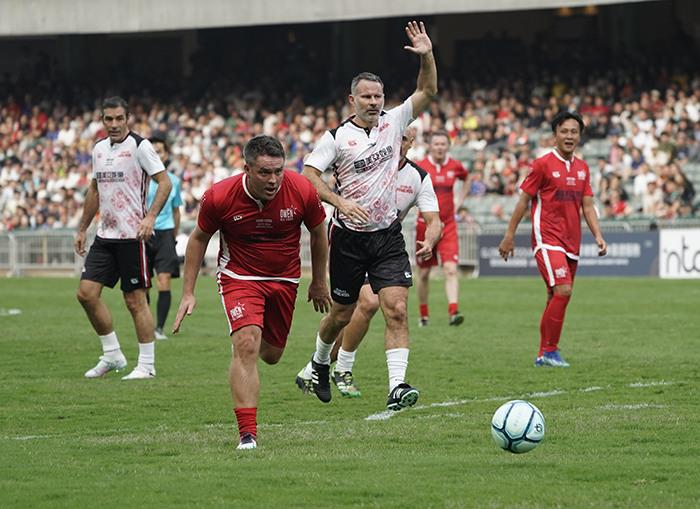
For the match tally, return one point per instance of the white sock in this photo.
(110, 343)
(147, 354)
(322, 355)
(345, 362)
(397, 362)
(306, 372)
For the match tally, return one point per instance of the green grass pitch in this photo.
(622, 422)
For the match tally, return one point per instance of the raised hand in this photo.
(420, 42)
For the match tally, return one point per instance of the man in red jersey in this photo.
(559, 187)
(259, 215)
(444, 172)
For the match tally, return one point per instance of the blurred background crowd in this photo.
(642, 113)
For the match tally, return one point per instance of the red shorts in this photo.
(556, 268)
(267, 304)
(447, 247)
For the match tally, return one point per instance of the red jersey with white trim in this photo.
(444, 177)
(260, 241)
(557, 187)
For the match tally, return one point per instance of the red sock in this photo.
(543, 334)
(424, 311)
(247, 421)
(554, 321)
(452, 308)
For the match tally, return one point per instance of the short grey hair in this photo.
(367, 76)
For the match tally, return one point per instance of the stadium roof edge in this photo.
(49, 17)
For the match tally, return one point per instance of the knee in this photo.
(269, 357)
(563, 290)
(368, 308)
(247, 345)
(85, 297)
(396, 312)
(450, 271)
(133, 302)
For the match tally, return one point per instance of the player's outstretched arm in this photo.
(506, 248)
(433, 230)
(349, 208)
(92, 203)
(421, 45)
(591, 216)
(318, 289)
(194, 255)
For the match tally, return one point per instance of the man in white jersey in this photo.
(122, 165)
(413, 187)
(365, 235)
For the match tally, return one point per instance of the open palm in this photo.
(420, 42)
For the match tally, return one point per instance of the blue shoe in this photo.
(552, 359)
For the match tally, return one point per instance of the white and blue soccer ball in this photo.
(517, 426)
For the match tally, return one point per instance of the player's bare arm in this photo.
(433, 230)
(145, 229)
(349, 208)
(194, 255)
(421, 45)
(591, 216)
(92, 203)
(318, 288)
(506, 248)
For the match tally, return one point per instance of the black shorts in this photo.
(162, 256)
(379, 256)
(110, 260)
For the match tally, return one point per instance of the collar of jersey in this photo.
(432, 161)
(565, 161)
(118, 142)
(245, 189)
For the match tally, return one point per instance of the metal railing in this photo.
(49, 251)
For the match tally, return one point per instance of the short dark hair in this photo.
(367, 76)
(563, 116)
(439, 132)
(159, 139)
(262, 145)
(115, 102)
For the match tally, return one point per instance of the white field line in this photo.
(387, 414)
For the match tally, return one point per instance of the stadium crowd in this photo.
(640, 136)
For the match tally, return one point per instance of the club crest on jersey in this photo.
(560, 272)
(556, 174)
(352, 143)
(237, 311)
(570, 181)
(581, 175)
(286, 214)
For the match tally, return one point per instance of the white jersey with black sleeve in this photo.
(414, 187)
(365, 165)
(122, 171)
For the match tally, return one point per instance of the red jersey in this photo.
(260, 241)
(443, 177)
(557, 187)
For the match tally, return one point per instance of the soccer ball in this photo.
(517, 426)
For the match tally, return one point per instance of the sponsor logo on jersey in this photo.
(287, 214)
(109, 176)
(567, 195)
(374, 160)
(125, 153)
(405, 189)
(385, 126)
(237, 311)
(570, 181)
